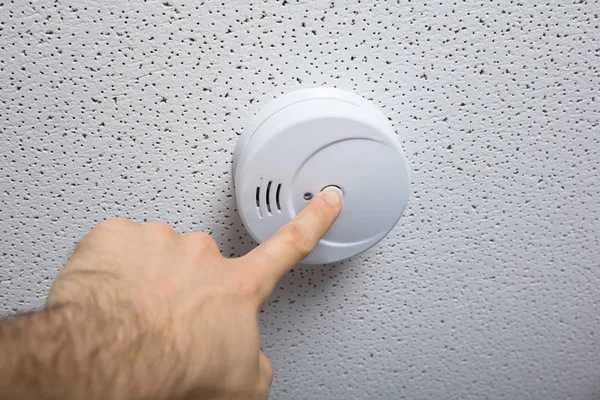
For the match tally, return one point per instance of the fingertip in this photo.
(332, 197)
(266, 367)
(332, 200)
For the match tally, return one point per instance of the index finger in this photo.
(295, 240)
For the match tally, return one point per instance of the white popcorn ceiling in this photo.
(489, 288)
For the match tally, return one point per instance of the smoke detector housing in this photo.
(313, 139)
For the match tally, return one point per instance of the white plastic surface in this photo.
(312, 139)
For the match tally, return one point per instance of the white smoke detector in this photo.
(312, 139)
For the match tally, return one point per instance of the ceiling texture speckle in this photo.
(488, 288)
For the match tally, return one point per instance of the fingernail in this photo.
(332, 197)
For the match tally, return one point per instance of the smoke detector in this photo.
(316, 139)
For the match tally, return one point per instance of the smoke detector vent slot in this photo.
(270, 205)
(277, 197)
(258, 201)
(269, 197)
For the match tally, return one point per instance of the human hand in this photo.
(187, 317)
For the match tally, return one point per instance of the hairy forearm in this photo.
(74, 353)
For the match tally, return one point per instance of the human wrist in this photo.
(143, 357)
(72, 352)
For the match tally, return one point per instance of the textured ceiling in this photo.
(490, 285)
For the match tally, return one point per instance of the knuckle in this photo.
(161, 228)
(266, 374)
(297, 238)
(250, 286)
(115, 224)
(200, 237)
(104, 229)
(200, 241)
(268, 368)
